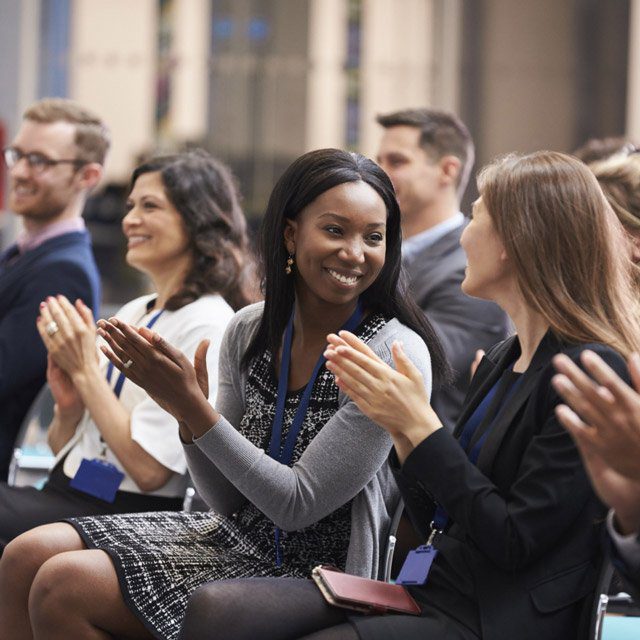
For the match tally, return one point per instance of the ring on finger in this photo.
(52, 328)
(128, 363)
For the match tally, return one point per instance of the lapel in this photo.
(487, 374)
(548, 347)
(422, 260)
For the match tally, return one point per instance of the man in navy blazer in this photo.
(428, 155)
(54, 161)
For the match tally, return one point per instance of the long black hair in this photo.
(204, 193)
(303, 181)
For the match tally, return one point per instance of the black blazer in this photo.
(525, 519)
(463, 324)
(61, 265)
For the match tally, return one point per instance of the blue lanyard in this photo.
(284, 454)
(440, 517)
(121, 378)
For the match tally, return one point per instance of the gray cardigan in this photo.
(346, 460)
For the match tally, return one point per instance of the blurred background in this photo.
(258, 82)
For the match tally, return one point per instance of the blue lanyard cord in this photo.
(440, 517)
(284, 454)
(121, 378)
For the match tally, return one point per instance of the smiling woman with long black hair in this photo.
(510, 525)
(294, 472)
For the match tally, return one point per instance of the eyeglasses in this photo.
(36, 161)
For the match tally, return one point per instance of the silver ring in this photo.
(52, 328)
(128, 363)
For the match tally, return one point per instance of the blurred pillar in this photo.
(113, 58)
(190, 79)
(397, 61)
(326, 83)
(19, 50)
(633, 82)
(447, 54)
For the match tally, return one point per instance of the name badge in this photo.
(97, 478)
(417, 565)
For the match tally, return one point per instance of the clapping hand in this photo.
(68, 401)
(603, 416)
(397, 399)
(69, 334)
(163, 371)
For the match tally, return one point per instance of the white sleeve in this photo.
(627, 546)
(155, 430)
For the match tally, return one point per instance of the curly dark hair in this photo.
(204, 192)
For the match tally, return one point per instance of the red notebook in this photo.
(361, 594)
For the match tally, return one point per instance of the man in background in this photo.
(428, 155)
(54, 161)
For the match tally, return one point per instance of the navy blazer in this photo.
(62, 265)
(463, 324)
(525, 520)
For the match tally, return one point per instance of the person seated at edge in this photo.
(619, 179)
(517, 523)
(293, 471)
(186, 230)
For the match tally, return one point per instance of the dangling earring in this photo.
(287, 268)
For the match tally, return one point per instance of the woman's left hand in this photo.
(163, 371)
(72, 344)
(395, 399)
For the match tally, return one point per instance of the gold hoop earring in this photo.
(289, 264)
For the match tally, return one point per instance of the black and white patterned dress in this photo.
(161, 558)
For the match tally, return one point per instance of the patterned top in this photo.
(326, 540)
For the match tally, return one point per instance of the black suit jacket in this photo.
(525, 519)
(463, 324)
(61, 265)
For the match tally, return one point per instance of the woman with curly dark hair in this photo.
(186, 231)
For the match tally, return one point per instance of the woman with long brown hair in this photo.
(510, 523)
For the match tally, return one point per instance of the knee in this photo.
(53, 590)
(211, 606)
(22, 558)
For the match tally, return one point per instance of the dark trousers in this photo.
(294, 609)
(22, 508)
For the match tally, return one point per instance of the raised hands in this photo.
(164, 372)
(603, 416)
(68, 401)
(395, 399)
(69, 334)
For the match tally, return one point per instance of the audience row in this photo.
(306, 421)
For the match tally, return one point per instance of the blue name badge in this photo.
(97, 478)
(415, 569)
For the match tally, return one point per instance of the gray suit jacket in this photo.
(462, 323)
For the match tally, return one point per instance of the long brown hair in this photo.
(566, 245)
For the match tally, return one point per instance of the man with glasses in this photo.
(54, 161)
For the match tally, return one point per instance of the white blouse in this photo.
(155, 430)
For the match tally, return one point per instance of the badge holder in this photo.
(98, 478)
(416, 567)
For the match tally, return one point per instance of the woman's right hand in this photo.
(68, 401)
(163, 371)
